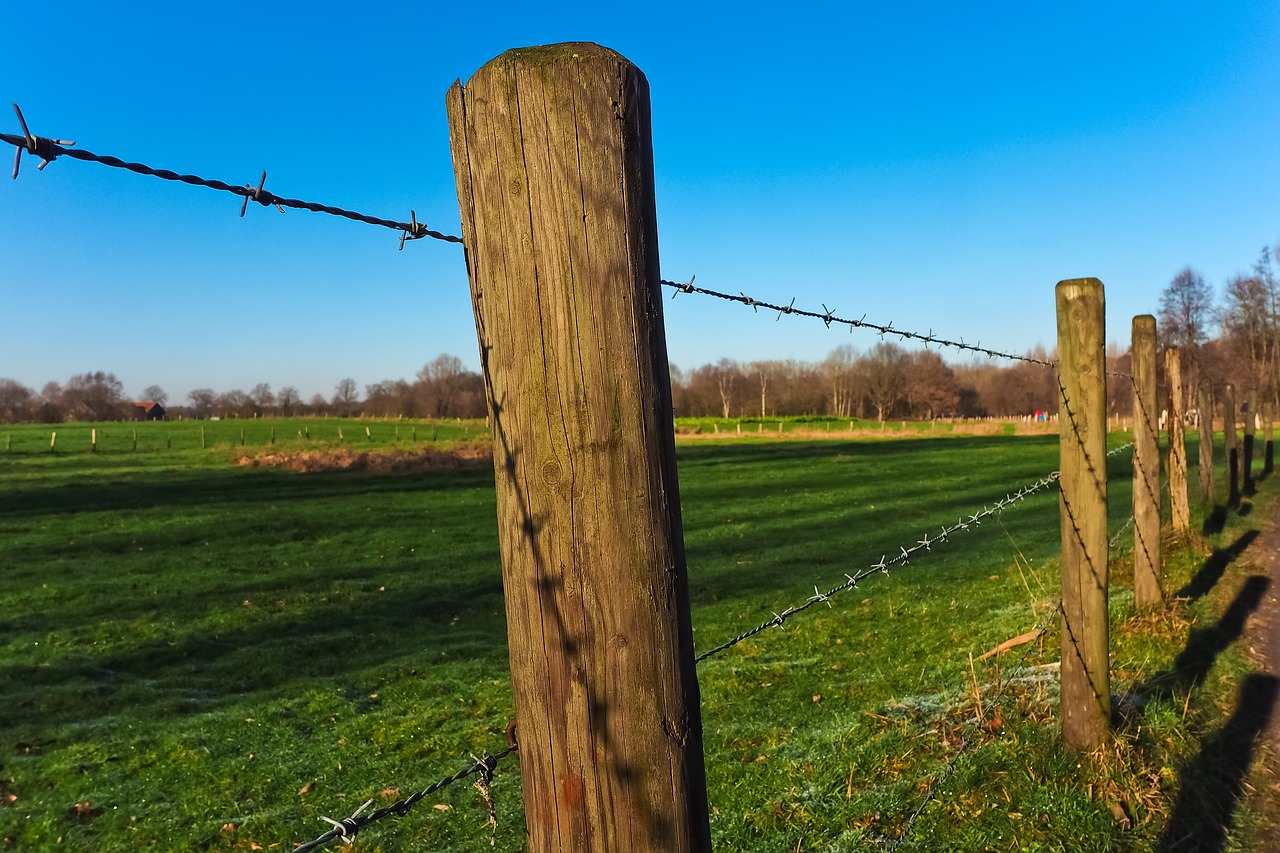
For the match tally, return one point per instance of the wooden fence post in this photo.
(1205, 404)
(1268, 427)
(553, 159)
(1146, 467)
(1082, 400)
(1229, 442)
(1250, 433)
(1179, 511)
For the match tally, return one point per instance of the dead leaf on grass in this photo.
(83, 812)
(306, 789)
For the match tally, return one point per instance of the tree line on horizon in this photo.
(885, 382)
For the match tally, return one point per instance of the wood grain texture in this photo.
(1205, 404)
(1146, 466)
(1086, 676)
(554, 168)
(1179, 511)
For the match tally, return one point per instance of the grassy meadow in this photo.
(201, 655)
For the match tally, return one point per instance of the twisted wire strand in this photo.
(347, 828)
(828, 316)
(49, 150)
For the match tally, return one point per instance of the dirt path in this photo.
(1262, 639)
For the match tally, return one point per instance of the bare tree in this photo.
(884, 370)
(15, 401)
(344, 397)
(1251, 325)
(262, 397)
(233, 403)
(288, 400)
(931, 388)
(439, 383)
(202, 401)
(95, 396)
(841, 376)
(1187, 313)
(155, 394)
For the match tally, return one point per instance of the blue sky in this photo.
(938, 164)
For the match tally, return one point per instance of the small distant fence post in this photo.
(553, 159)
(1179, 511)
(1146, 467)
(1250, 433)
(1205, 404)
(1229, 441)
(1082, 402)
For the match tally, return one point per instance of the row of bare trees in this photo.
(1246, 348)
(1234, 340)
(885, 382)
(443, 388)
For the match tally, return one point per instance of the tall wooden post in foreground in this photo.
(1230, 439)
(1082, 407)
(1146, 467)
(1205, 404)
(1179, 511)
(554, 166)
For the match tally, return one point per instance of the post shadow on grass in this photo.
(1210, 571)
(1210, 785)
(1215, 521)
(1194, 662)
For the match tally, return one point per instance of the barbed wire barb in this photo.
(348, 828)
(828, 317)
(49, 150)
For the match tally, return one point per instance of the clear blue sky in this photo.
(937, 164)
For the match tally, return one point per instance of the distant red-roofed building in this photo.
(148, 411)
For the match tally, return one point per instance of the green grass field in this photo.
(196, 655)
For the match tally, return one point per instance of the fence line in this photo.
(346, 829)
(902, 558)
(49, 150)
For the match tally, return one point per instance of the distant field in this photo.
(196, 655)
(150, 436)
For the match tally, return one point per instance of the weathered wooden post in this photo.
(1250, 433)
(1082, 401)
(1268, 434)
(554, 167)
(1146, 467)
(1229, 442)
(1205, 403)
(93, 440)
(1179, 511)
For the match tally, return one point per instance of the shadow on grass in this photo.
(1194, 662)
(1215, 521)
(200, 672)
(1210, 785)
(1210, 572)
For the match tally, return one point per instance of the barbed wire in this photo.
(347, 828)
(828, 316)
(903, 557)
(49, 150)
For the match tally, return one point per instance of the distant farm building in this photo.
(148, 411)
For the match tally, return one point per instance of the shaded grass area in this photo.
(195, 656)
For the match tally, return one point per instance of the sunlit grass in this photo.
(210, 657)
